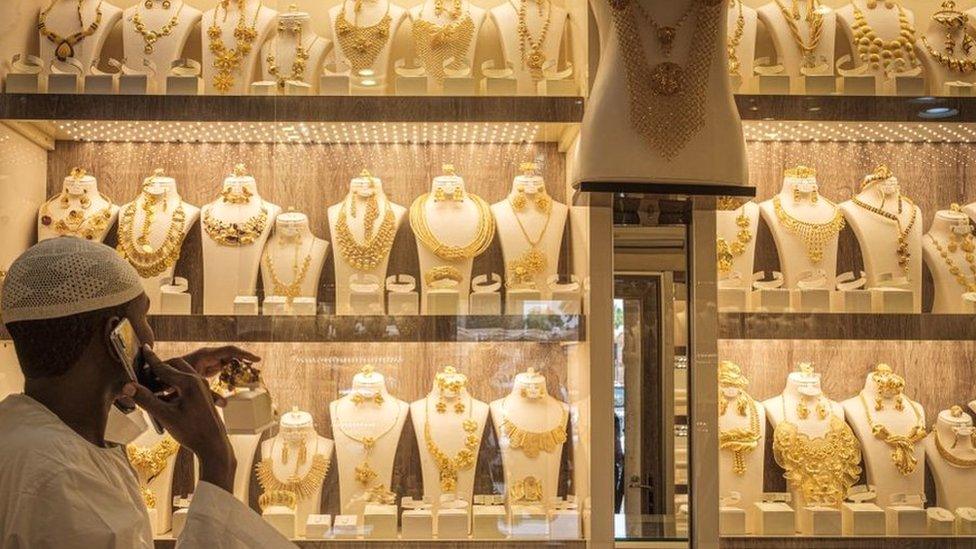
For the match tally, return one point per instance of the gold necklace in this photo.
(375, 248)
(448, 467)
(227, 61)
(304, 486)
(813, 235)
(479, 243)
(824, 468)
(885, 54)
(532, 50)
(76, 223)
(524, 268)
(532, 442)
(953, 21)
(364, 472)
(953, 63)
(741, 441)
(814, 19)
(667, 101)
(727, 252)
(361, 45)
(735, 40)
(967, 247)
(297, 64)
(902, 446)
(150, 37)
(436, 43)
(146, 260)
(235, 234)
(904, 254)
(65, 45)
(149, 462)
(952, 459)
(294, 288)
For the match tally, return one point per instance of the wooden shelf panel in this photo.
(896, 327)
(418, 544)
(851, 108)
(802, 542)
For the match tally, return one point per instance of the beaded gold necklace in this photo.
(897, 54)
(813, 235)
(227, 61)
(65, 45)
(375, 248)
(150, 37)
(484, 234)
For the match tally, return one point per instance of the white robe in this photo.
(57, 490)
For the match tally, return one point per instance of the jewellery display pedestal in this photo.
(893, 301)
(862, 519)
(905, 520)
(248, 411)
(528, 522)
(442, 302)
(245, 448)
(965, 521)
(522, 301)
(417, 524)
(380, 521)
(452, 523)
(941, 522)
(819, 521)
(771, 300)
(774, 519)
(345, 527)
(731, 521)
(174, 299)
(281, 519)
(565, 524)
(318, 526)
(489, 522)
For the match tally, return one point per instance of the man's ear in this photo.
(110, 325)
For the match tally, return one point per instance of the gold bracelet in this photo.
(527, 490)
(279, 498)
(441, 273)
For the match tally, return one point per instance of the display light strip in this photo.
(872, 132)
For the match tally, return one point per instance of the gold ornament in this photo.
(298, 63)
(902, 446)
(533, 262)
(889, 55)
(739, 441)
(75, 222)
(813, 235)
(527, 490)
(531, 442)
(814, 20)
(278, 498)
(235, 234)
(292, 289)
(954, 21)
(735, 40)
(902, 250)
(448, 467)
(361, 45)
(438, 43)
(479, 243)
(150, 37)
(375, 248)
(364, 472)
(727, 251)
(967, 247)
(149, 462)
(227, 61)
(359, 398)
(303, 487)
(531, 49)
(441, 273)
(146, 260)
(65, 45)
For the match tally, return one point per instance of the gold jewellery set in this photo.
(730, 249)
(299, 62)
(361, 44)
(137, 249)
(955, 244)
(64, 46)
(228, 61)
(531, 443)
(738, 441)
(735, 39)
(531, 48)
(452, 383)
(533, 262)
(365, 254)
(815, 236)
(364, 472)
(150, 37)
(903, 231)
(76, 220)
(299, 268)
(235, 234)
(946, 453)
(814, 21)
(295, 487)
(954, 22)
(889, 387)
(893, 55)
(149, 462)
(437, 43)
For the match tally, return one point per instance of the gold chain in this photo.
(448, 467)
(479, 243)
(523, 269)
(813, 235)
(437, 43)
(741, 441)
(967, 246)
(65, 45)
(904, 254)
(531, 442)
(885, 54)
(150, 37)
(304, 486)
(149, 462)
(361, 45)
(735, 40)
(815, 31)
(294, 288)
(367, 255)
(226, 61)
(902, 446)
(297, 64)
(364, 472)
(235, 234)
(953, 63)
(532, 50)
(76, 223)
(146, 260)
(727, 252)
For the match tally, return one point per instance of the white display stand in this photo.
(611, 150)
(949, 293)
(938, 75)
(728, 228)
(255, 15)
(531, 409)
(163, 51)
(790, 55)
(287, 249)
(794, 260)
(739, 412)
(530, 229)
(370, 14)
(448, 433)
(884, 20)
(232, 271)
(506, 19)
(361, 189)
(953, 483)
(161, 486)
(164, 190)
(745, 49)
(77, 187)
(62, 19)
(379, 416)
(882, 472)
(296, 430)
(284, 49)
(426, 11)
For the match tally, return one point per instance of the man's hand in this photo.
(188, 414)
(209, 360)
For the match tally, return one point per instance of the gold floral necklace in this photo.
(304, 486)
(738, 441)
(533, 262)
(448, 467)
(149, 462)
(531, 49)
(902, 250)
(968, 248)
(150, 37)
(533, 442)
(902, 446)
(235, 234)
(75, 222)
(298, 63)
(890, 55)
(361, 45)
(65, 45)
(138, 250)
(813, 235)
(227, 61)
(484, 234)
(292, 289)
(437, 43)
(727, 251)
(364, 472)
(735, 40)
(375, 248)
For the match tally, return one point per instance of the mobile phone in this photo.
(128, 351)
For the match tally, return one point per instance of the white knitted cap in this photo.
(65, 276)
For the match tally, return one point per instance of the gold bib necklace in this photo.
(64, 46)
(952, 459)
(532, 442)
(813, 235)
(227, 61)
(304, 486)
(437, 43)
(149, 462)
(893, 55)
(146, 260)
(448, 467)
(479, 243)
(361, 45)
(75, 222)
(375, 248)
(902, 446)
(235, 234)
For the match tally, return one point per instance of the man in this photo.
(62, 485)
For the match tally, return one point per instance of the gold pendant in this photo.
(64, 51)
(666, 79)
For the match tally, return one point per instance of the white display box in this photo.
(281, 519)
(566, 302)
(100, 84)
(941, 521)
(485, 303)
(411, 85)
(303, 306)
(443, 302)
(403, 303)
(558, 87)
(452, 524)
(913, 86)
(19, 82)
(565, 524)
(345, 527)
(905, 520)
(517, 300)
(173, 303)
(862, 519)
(297, 88)
(275, 306)
(855, 301)
(892, 301)
(380, 521)
(246, 305)
(957, 89)
(813, 300)
(133, 84)
(334, 84)
(733, 300)
(366, 303)
(819, 521)
(62, 83)
(318, 526)
(529, 522)
(417, 524)
(731, 521)
(466, 85)
(182, 85)
(499, 86)
(774, 84)
(771, 300)
(965, 521)
(489, 522)
(177, 522)
(823, 84)
(774, 518)
(248, 412)
(860, 85)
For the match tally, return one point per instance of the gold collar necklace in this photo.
(482, 238)
(376, 247)
(303, 487)
(952, 459)
(236, 234)
(227, 61)
(65, 46)
(968, 248)
(362, 45)
(533, 442)
(437, 43)
(814, 236)
(149, 462)
(76, 223)
(150, 37)
(893, 55)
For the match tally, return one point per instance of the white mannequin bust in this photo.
(791, 23)
(944, 63)
(449, 421)
(742, 438)
(146, 246)
(79, 210)
(742, 28)
(454, 217)
(157, 34)
(885, 19)
(430, 13)
(156, 485)
(355, 253)
(951, 453)
(235, 229)
(301, 457)
(218, 27)
(62, 18)
(891, 242)
(737, 225)
(546, 26)
(296, 53)
(374, 21)
(676, 142)
(530, 222)
(366, 425)
(293, 258)
(951, 234)
(531, 430)
(801, 205)
(897, 467)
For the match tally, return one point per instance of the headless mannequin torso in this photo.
(147, 45)
(63, 19)
(80, 210)
(224, 19)
(950, 234)
(157, 485)
(295, 256)
(954, 466)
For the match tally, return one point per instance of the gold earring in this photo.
(439, 195)
(441, 406)
(166, 4)
(878, 404)
(796, 194)
(459, 407)
(723, 406)
(518, 201)
(284, 454)
(802, 411)
(149, 4)
(458, 194)
(899, 404)
(524, 393)
(302, 453)
(821, 411)
(814, 196)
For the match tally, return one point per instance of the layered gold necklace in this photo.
(532, 50)
(64, 46)
(147, 260)
(235, 234)
(524, 268)
(954, 21)
(376, 247)
(438, 43)
(150, 37)
(479, 243)
(814, 20)
(902, 249)
(738, 441)
(727, 251)
(149, 462)
(303, 486)
(735, 40)
(968, 247)
(814, 236)
(364, 472)
(902, 446)
(823, 468)
(667, 101)
(292, 289)
(361, 45)
(531, 443)
(448, 467)
(897, 54)
(227, 61)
